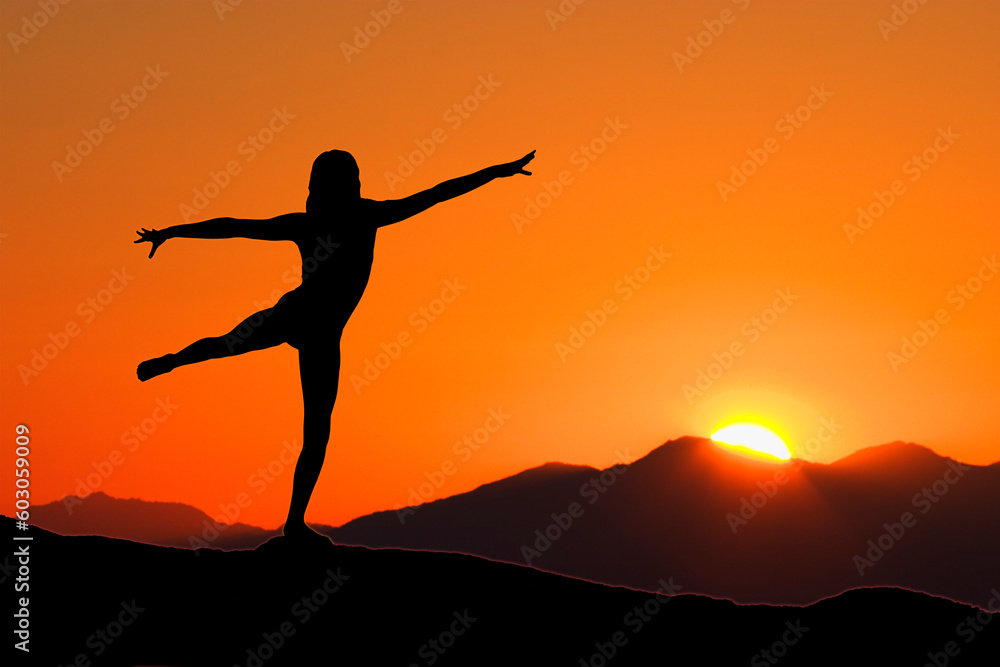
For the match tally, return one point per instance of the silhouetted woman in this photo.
(336, 239)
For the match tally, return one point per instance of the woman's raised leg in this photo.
(257, 332)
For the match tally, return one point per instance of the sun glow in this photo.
(752, 439)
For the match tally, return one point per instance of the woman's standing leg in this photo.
(319, 369)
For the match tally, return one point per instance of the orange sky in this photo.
(662, 132)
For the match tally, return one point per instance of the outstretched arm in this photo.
(281, 228)
(400, 209)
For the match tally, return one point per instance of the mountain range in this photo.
(720, 524)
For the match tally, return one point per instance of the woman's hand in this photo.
(517, 166)
(154, 236)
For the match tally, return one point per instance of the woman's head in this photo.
(335, 178)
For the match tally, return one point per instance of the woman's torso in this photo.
(337, 254)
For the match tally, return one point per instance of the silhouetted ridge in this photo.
(893, 454)
(152, 522)
(680, 448)
(552, 470)
(724, 523)
(305, 602)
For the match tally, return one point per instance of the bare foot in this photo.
(300, 529)
(153, 367)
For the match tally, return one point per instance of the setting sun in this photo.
(754, 439)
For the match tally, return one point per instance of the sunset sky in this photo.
(688, 252)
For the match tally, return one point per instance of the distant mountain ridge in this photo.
(167, 524)
(725, 525)
(730, 526)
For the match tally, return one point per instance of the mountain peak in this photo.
(164, 523)
(896, 454)
(696, 450)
